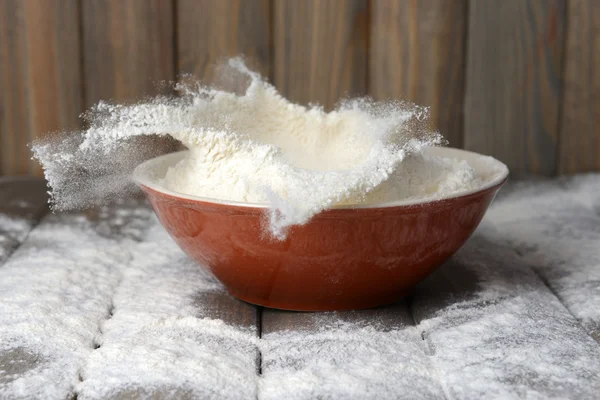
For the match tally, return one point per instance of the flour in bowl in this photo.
(253, 145)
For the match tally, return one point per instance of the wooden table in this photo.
(102, 304)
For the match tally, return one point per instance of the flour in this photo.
(347, 360)
(12, 232)
(53, 292)
(555, 227)
(160, 341)
(497, 331)
(252, 145)
(486, 324)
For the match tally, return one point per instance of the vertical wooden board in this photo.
(417, 52)
(128, 49)
(40, 76)
(579, 134)
(209, 32)
(513, 79)
(320, 49)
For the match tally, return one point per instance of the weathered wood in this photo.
(40, 77)
(320, 49)
(106, 289)
(384, 318)
(219, 305)
(64, 277)
(496, 331)
(355, 354)
(555, 228)
(579, 133)
(23, 197)
(417, 53)
(514, 64)
(23, 201)
(208, 32)
(128, 49)
(173, 332)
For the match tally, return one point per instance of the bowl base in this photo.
(337, 306)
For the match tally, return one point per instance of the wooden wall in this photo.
(516, 79)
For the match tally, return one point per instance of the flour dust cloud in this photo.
(248, 143)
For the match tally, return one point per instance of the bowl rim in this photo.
(141, 177)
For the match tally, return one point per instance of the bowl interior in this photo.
(491, 172)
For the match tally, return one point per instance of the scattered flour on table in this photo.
(502, 335)
(12, 232)
(555, 228)
(159, 340)
(258, 147)
(344, 360)
(54, 290)
(497, 331)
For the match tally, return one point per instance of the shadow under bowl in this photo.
(350, 257)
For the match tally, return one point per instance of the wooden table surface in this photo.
(102, 304)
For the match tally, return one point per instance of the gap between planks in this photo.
(24, 199)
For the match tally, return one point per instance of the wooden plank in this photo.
(128, 49)
(40, 76)
(417, 53)
(513, 80)
(23, 201)
(387, 318)
(320, 49)
(64, 276)
(579, 133)
(23, 197)
(356, 354)
(584, 189)
(496, 331)
(173, 332)
(555, 228)
(208, 32)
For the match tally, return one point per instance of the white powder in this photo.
(12, 232)
(499, 334)
(496, 331)
(258, 147)
(347, 360)
(555, 228)
(53, 292)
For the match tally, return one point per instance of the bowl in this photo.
(347, 257)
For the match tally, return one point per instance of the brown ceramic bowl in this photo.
(347, 257)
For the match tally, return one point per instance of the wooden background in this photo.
(516, 79)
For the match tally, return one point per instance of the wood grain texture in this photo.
(168, 306)
(513, 79)
(320, 49)
(40, 76)
(388, 318)
(23, 201)
(23, 197)
(416, 53)
(209, 32)
(128, 49)
(580, 132)
(496, 330)
(220, 305)
(64, 276)
(558, 237)
(374, 353)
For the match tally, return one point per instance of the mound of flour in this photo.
(249, 144)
